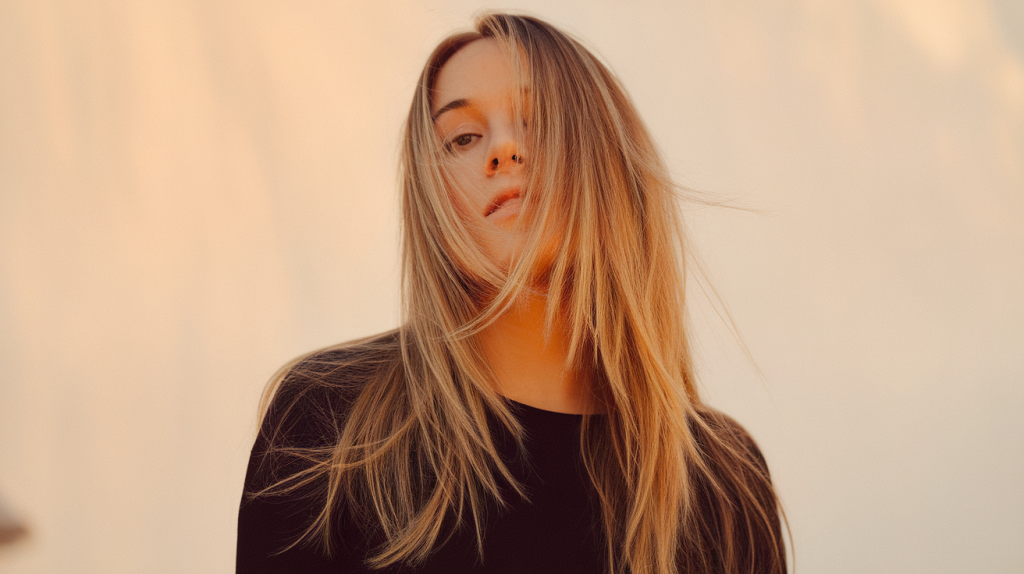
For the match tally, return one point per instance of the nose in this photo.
(503, 157)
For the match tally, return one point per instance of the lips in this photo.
(501, 199)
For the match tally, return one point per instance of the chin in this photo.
(505, 248)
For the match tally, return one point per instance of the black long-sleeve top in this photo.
(556, 530)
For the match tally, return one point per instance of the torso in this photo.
(556, 530)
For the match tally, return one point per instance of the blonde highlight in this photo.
(680, 486)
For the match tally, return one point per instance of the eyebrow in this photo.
(453, 105)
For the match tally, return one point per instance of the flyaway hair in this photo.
(681, 487)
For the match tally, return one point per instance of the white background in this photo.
(193, 192)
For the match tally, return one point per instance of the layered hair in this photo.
(680, 487)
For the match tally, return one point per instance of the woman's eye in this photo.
(462, 141)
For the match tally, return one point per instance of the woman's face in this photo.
(473, 111)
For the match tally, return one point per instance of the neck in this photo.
(529, 366)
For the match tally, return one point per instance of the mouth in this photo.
(502, 199)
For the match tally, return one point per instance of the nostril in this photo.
(495, 163)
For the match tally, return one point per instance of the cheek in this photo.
(465, 197)
(466, 183)
(459, 203)
(456, 196)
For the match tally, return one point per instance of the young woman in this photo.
(536, 411)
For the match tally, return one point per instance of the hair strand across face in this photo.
(681, 487)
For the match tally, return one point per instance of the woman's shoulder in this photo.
(306, 402)
(344, 367)
(725, 441)
(735, 498)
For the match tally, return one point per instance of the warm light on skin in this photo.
(473, 111)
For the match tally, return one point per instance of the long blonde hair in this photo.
(680, 486)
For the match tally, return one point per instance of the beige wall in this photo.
(193, 192)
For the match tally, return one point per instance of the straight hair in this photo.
(681, 487)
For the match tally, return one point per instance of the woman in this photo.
(537, 411)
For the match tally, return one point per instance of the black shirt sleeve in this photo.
(305, 415)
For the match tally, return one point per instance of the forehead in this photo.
(479, 70)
